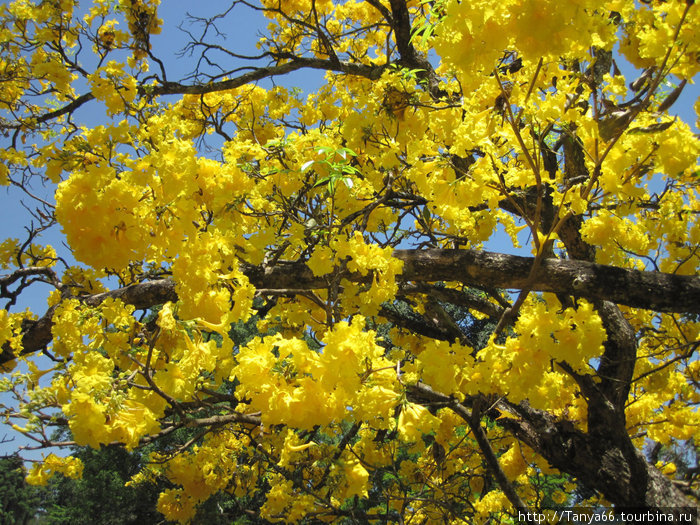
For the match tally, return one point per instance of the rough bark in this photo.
(602, 459)
(651, 290)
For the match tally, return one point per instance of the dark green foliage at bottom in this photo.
(18, 501)
(100, 497)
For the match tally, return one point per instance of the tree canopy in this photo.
(517, 160)
(19, 500)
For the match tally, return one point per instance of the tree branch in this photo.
(650, 290)
(473, 419)
(258, 73)
(295, 63)
(600, 459)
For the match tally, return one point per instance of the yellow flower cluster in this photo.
(94, 396)
(521, 140)
(113, 86)
(525, 367)
(11, 330)
(292, 384)
(362, 258)
(40, 473)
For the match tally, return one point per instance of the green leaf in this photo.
(324, 150)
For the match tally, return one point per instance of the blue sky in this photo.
(241, 29)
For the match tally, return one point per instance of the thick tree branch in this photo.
(400, 21)
(140, 295)
(616, 366)
(26, 272)
(175, 88)
(600, 459)
(456, 297)
(68, 108)
(650, 290)
(295, 63)
(415, 324)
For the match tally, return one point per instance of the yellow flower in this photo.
(355, 478)
(69, 466)
(414, 421)
(87, 420)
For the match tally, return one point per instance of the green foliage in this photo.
(338, 170)
(434, 11)
(18, 501)
(101, 497)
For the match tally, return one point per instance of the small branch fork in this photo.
(473, 419)
(26, 276)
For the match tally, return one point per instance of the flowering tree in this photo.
(350, 223)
